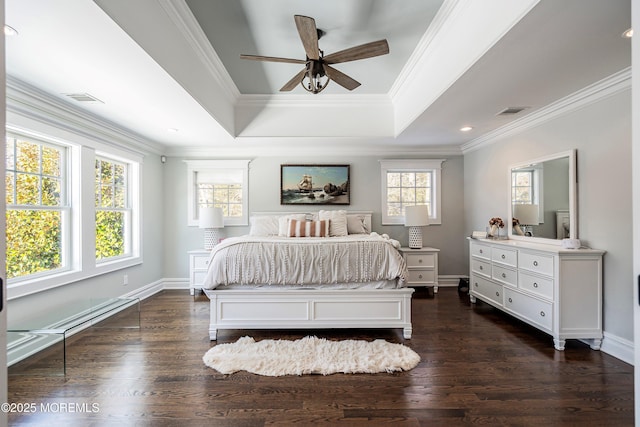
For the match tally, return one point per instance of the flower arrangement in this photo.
(494, 224)
(497, 221)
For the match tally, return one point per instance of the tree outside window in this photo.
(35, 184)
(112, 208)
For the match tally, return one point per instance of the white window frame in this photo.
(433, 166)
(127, 210)
(66, 220)
(82, 152)
(200, 166)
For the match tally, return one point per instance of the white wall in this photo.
(601, 134)
(264, 186)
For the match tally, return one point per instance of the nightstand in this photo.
(198, 264)
(423, 266)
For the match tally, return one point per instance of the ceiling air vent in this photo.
(509, 111)
(83, 97)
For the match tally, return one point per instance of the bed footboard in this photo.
(309, 309)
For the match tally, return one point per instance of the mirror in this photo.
(542, 203)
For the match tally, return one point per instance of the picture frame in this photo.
(312, 184)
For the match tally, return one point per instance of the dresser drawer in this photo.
(531, 261)
(541, 286)
(505, 256)
(486, 289)
(480, 251)
(200, 262)
(481, 267)
(505, 275)
(530, 308)
(421, 260)
(421, 276)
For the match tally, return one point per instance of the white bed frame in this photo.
(309, 309)
(269, 308)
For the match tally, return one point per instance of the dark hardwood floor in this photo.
(478, 367)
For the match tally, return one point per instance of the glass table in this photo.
(27, 337)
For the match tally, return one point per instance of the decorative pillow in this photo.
(307, 228)
(283, 225)
(263, 226)
(356, 224)
(338, 222)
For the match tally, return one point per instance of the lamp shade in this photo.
(416, 216)
(526, 214)
(211, 217)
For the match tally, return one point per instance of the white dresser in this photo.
(422, 265)
(198, 264)
(559, 291)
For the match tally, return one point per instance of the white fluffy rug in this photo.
(310, 355)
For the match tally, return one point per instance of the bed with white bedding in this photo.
(278, 277)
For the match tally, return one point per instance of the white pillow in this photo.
(338, 224)
(283, 225)
(264, 226)
(356, 224)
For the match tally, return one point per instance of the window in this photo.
(409, 183)
(38, 220)
(522, 187)
(113, 212)
(218, 183)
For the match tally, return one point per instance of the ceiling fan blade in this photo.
(272, 59)
(340, 78)
(295, 81)
(367, 50)
(309, 35)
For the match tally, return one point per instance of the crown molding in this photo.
(595, 92)
(317, 146)
(32, 103)
(180, 14)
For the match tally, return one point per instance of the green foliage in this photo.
(33, 242)
(109, 234)
(35, 203)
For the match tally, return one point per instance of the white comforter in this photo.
(306, 261)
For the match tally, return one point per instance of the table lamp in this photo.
(527, 215)
(211, 219)
(416, 217)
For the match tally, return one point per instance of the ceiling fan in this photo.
(317, 71)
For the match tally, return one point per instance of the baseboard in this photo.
(618, 347)
(175, 283)
(445, 281)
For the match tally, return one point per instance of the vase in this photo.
(493, 232)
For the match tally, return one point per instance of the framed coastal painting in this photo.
(314, 185)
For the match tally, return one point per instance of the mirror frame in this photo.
(573, 198)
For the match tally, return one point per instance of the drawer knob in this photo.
(535, 285)
(420, 261)
(206, 262)
(503, 256)
(535, 263)
(504, 276)
(419, 276)
(542, 314)
(480, 267)
(481, 251)
(510, 300)
(497, 293)
(475, 284)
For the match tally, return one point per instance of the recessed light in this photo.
(465, 128)
(172, 130)
(628, 34)
(10, 31)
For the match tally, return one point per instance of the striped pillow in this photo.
(298, 228)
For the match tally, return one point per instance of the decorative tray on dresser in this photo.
(556, 290)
